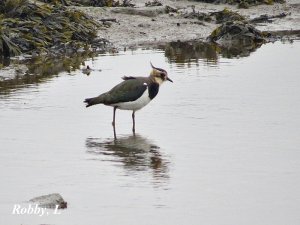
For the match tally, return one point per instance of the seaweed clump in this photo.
(26, 27)
(227, 15)
(222, 16)
(236, 35)
(95, 3)
(153, 3)
(243, 3)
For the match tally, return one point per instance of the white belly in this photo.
(134, 105)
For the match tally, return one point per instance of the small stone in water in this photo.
(50, 201)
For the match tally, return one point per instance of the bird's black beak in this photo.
(169, 79)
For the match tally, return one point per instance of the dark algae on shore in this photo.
(243, 3)
(96, 3)
(32, 28)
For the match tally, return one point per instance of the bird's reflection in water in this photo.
(135, 153)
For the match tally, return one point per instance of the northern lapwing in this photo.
(132, 94)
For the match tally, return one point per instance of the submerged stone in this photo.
(50, 201)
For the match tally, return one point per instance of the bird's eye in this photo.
(162, 75)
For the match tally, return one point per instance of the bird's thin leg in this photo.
(115, 135)
(114, 117)
(133, 122)
(113, 122)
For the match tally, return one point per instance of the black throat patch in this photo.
(153, 89)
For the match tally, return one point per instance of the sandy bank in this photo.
(149, 25)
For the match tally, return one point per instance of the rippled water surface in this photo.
(220, 145)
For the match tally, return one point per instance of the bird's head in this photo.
(159, 75)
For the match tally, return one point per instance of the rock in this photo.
(226, 15)
(222, 16)
(169, 9)
(148, 12)
(197, 15)
(237, 32)
(153, 3)
(50, 201)
(145, 25)
(107, 24)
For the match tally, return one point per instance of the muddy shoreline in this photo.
(140, 26)
(156, 27)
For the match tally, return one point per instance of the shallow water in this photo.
(220, 145)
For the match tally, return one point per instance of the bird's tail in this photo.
(93, 101)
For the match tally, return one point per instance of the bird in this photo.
(132, 94)
(87, 70)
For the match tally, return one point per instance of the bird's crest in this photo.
(128, 77)
(159, 69)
